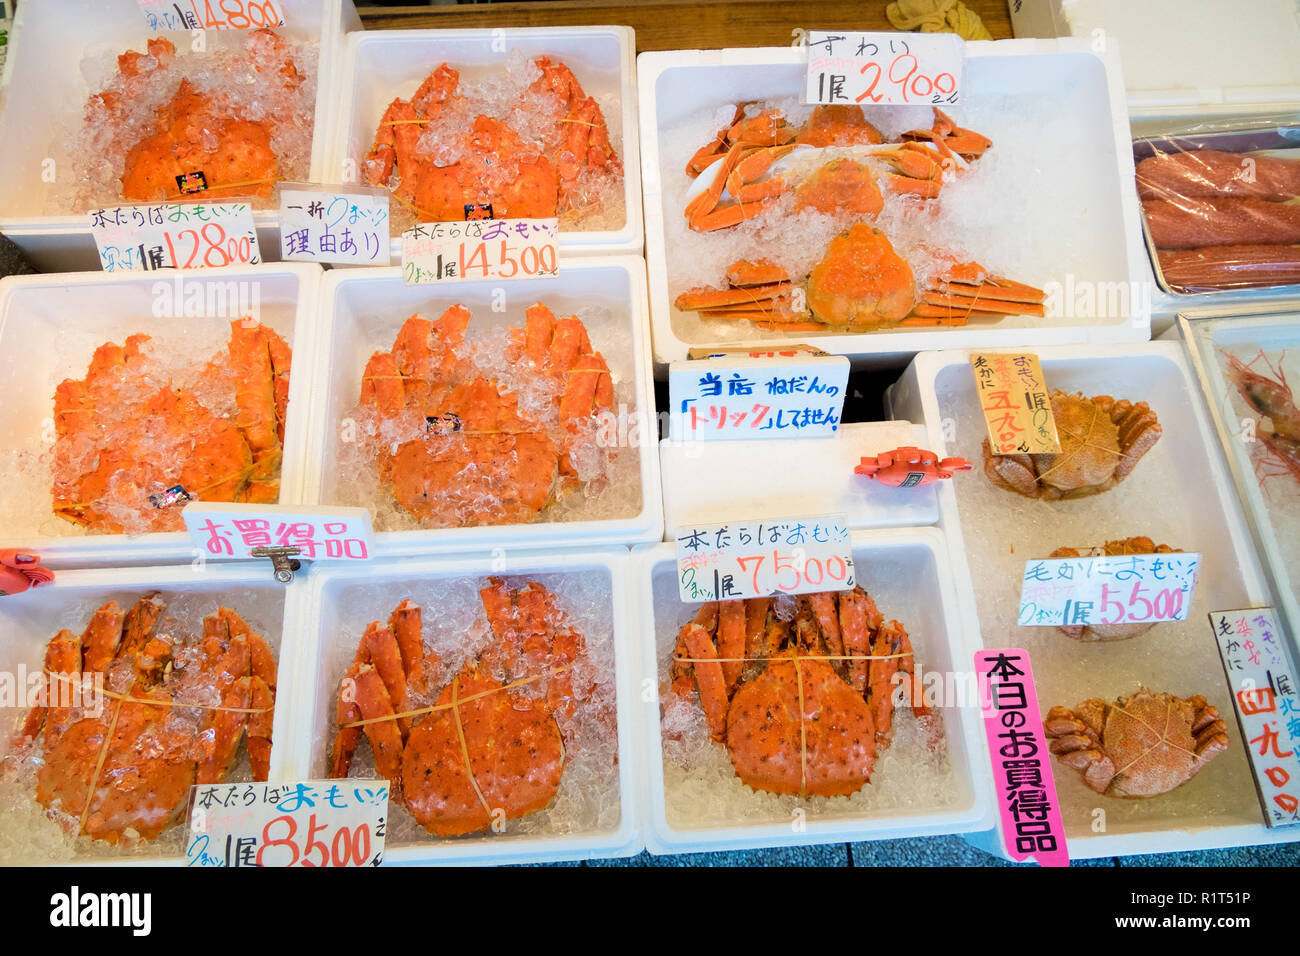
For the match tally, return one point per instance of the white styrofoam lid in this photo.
(1198, 52)
(716, 481)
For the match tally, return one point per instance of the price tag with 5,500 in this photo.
(884, 69)
(1108, 590)
(481, 249)
(175, 236)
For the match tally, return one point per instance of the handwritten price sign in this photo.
(1108, 590)
(175, 236)
(322, 225)
(758, 558)
(481, 249)
(206, 15)
(310, 823)
(1016, 404)
(888, 69)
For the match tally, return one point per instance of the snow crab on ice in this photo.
(494, 166)
(175, 716)
(1112, 632)
(804, 706)
(478, 459)
(1102, 441)
(1140, 746)
(486, 748)
(125, 435)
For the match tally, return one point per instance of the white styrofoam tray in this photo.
(325, 621)
(50, 327)
(713, 481)
(361, 312)
(1180, 494)
(1101, 218)
(908, 573)
(381, 65)
(29, 620)
(1277, 531)
(47, 94)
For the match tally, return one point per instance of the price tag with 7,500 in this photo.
(175, 236)
(887, 69)
(481, 249)
(1108, 590)
(307, 823)
(746, 559)
(210, 15)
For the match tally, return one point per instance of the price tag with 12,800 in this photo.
(886, 69)
(306, 823)
(175, 236)
(212, 14)
(1108, 590)
(481, 249)
(747, 559)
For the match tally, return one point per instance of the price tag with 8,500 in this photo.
(746, 559)
(888, 69)
(212, 14)
(481, 249)
(307, 823)
(1108, 590)
(175, 236)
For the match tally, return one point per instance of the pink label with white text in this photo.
(1022, 769)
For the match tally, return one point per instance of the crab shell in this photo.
(1113, 632)
(1140, 746)
(861, 282)
(1102, 440)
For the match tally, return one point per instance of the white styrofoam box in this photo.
(326, 621)
(361, 312)
(1084, 84)
(50, 327)
(712, 481)
(29, 620)
(48, 93)
(382, 65)
(1276, 523)
(1185, 57)
(907, 572)
(1180, 494)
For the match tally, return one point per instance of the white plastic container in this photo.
(29, 620)
(361, 312)
(50, 327)
(1179, 494)
(327, 619)
(382, 65)
(714, 481)
(1095, 232)
(1274, 522)
(47, 93)
(908, 574)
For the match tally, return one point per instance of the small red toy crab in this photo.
(19, 571)
(909, 467)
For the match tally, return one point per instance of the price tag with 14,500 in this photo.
(890, 69)
(307, 823)
(481, 249)
(175, 236)
(1109, 590)
(746, 559)
(212, 14)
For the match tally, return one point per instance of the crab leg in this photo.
(859, 619)
(345, 741)
(62, 656)
(731, 640)
(385, 739)
(259, 728)
(379, 649)
(823, 608)
(755, 625)
(406, 624)
(680, 672)
(708, 678)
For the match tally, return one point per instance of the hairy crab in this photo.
(486, 749)
(804, 705)
(1140, 746)
(126, 435)
(1102, 440)
(176, 717)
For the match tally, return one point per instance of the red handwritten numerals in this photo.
(789, 577)
(209, 246)
(1140, 604)
(237, 14)
(503, 261)
(904, 72)
(348, 846)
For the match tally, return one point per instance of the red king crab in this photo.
(486, 748)
(519, 179)
(478, 459)
(174, 717)
(804, 706)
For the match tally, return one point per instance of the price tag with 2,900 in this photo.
(481, 249)
(889, 69)
(747, 559)
(175, 236)
(1108, 590)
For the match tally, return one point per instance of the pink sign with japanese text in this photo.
(234, 531)
(1022, 769)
